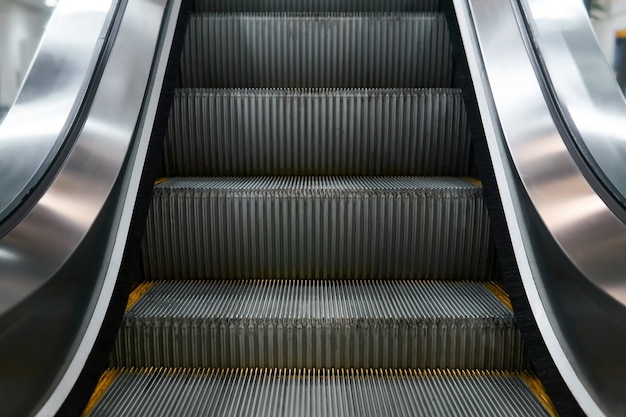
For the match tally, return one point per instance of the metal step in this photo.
(317, 228)
(319, 324)
(399, 50)
(312, 6)
(317, 132)
(289, 392)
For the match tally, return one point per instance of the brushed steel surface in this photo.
(215, 132)
(313, 393)
(38, 122)
(585, 86)
(318, 227)
(570, 247)
(54, 292)
(319, 324)
(305, 50)
(66, 211)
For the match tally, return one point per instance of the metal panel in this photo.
(317, 132)
(584, 84)
(60, 263)
(317, 50)
(569, 245)
(318, 227)
(320, 324)
(39, 121)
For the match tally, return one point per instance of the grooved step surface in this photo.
(317, 228)
(350, 6)
(346, 393)
(320, 324)
(317, 132)
(400, 50)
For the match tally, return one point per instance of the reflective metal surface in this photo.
(570, 247)
(60, 264)
(22, 26)
(39, 121)
(585, 87)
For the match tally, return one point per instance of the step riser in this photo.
(331, 6)
(282, 51)
(318, 394)
(317, 234)
(268, 132)
(228, 344)
(320, 324)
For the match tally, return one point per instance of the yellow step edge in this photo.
(620, 34)
(537, 388)
(104, 384)
(500, 293)
(161, 180)
(137, 293)
(473, 181)
(529, 379)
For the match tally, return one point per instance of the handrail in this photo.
(583, 86)
(569, 242)
(38, 124)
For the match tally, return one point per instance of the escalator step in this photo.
(320, 324)
(317, 228)
(317, 132)
(289, 392)
(333, 6)
(400, 50)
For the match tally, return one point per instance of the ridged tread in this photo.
(215, 132)
(317, 228)
(346, 6)
(310, 228)
(328, 50)
(320, 324)
(317, 393)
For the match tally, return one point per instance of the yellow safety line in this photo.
(500, 293)
(537, 388)
(620, 34)
(104, 383)
(137, 294)
(473, 181)
(161, 180)
(531, 380)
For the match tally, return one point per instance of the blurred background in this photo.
(608, 18)
(22, 23)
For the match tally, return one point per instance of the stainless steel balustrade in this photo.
(60, 263)
(37, 124)
(568, 242)
(584, 86)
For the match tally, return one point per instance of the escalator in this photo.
(314, 207)
(319, 244)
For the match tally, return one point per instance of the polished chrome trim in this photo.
(584, 85)
(534, 166)
(38, 123)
